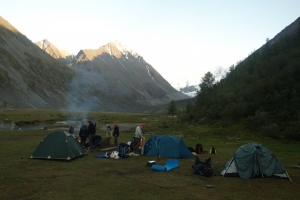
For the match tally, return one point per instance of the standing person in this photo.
(116, 134)
(140, 135)
(91, 131)
(83, 134)
(91, 128)
(108, 134)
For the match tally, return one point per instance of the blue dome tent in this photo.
(167, 146)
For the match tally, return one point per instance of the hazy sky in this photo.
(182, 39)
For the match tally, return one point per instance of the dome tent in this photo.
(58, 145)
(167, 146)
(252, 160)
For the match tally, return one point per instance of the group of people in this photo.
(138, 139)
(88, 131)
(112, 132)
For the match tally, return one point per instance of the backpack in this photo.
(203, 168)
(199, 149)
(213, 150)
(123, 150)
(135, 143)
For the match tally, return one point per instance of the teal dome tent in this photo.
(167, 146)
(252, 160)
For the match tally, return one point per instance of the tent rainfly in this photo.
(167, 146)
(58, 145)
(252, 160)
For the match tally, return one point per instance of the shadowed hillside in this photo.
(262, 91)
(29, 77)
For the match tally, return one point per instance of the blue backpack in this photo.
(123, 150)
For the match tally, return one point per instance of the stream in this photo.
(64, 125)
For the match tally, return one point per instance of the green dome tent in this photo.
(252, 160)
(168, 146)
(58, 145)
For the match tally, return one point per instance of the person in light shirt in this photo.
(139, 134)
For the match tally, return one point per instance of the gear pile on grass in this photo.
(203, 168)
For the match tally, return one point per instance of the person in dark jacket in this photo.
(83, 134)
(116, 134)
(95, 139)
(91, 128)
(91, 131)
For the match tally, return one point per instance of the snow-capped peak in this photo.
(125, 49)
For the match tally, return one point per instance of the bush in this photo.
(293, 136)
(271, 131)
(259, 119)
(293, 131)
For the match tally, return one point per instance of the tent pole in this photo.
(157, 148)
(227, 167)
(288, 176)
(162, 148)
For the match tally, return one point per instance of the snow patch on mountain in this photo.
(149, 72)
(125, 49)
(44, 44)
(190, 90)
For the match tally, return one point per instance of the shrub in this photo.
(292, 132)
(271, 131)
(259, 119)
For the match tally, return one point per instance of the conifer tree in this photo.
(172, 109)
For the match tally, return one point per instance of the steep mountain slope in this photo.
(111, 78)
(29, 77)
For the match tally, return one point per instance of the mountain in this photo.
(120, 77)
(111, 78)
(190, 90)
(62, 55)
(29, 77)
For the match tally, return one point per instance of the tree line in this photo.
(261, 92)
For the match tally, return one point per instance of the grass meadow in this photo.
(130, 178)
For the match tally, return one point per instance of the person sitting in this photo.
(72, 130)
(95, 140)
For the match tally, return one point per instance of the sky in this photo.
(181, 39)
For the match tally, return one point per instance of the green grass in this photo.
(93, 178)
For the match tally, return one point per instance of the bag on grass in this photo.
(203, 168)
(123, 150)
(199, 149)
